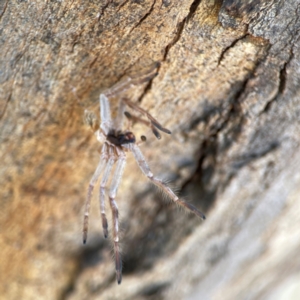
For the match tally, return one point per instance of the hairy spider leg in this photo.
(121, 161)
(106, 122)
(137, 119)
(132, 80)
(107, 171)
(102, 163)
(146, 170)
(147, 123)
(153, 123)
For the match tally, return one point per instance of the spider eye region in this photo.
(121, 138)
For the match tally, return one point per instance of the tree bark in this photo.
(228, 87)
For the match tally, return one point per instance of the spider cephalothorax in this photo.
(120, 138)
(115, 143)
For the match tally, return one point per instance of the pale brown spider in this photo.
(115, 143)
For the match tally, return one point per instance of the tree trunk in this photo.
(228, 87)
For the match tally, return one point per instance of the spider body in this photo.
(121, 138)
(115, 143)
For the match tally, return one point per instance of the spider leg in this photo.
(133, 118)
(103, 183)
(106, 122)
(153, 123)
(132, 80)
(102, 163)
(146, 170)
(115, 214)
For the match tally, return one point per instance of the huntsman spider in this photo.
(115, 145)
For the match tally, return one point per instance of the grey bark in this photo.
(229, 90)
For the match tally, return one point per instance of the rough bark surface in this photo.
(229, 90)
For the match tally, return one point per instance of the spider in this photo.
(115, 145)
